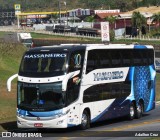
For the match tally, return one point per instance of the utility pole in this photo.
(59, 7)
(65, 3)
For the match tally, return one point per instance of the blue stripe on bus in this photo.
(142, 93)
(140, 47)
(39, 114)
(109, 112)
(151, 103)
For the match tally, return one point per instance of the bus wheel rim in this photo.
(131, 111)
(84, 119)
(139, 109)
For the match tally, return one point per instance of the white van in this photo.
(25, 39)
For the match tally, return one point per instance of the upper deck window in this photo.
(43, 64)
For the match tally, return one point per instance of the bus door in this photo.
(92, 94)
(73, 85)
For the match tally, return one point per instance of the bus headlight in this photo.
(19, 115)
(61, 114)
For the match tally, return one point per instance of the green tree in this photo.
(138, 20)
(90, 19)
(111, 19)
(55, 16)
(156, 18)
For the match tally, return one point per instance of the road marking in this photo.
(124, 127)
(65, 138)
(133, 126)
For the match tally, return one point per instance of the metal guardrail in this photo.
(69, 34)
(143, 38)
(30, 29)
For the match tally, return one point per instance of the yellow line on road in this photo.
(133, 125)
(124, 127)
(64, 138)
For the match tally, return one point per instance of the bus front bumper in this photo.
(60, 122)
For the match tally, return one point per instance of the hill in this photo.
(53, 5)
(151, 9)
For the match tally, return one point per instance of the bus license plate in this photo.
(38, 125)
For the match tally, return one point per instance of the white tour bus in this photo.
(69, 85)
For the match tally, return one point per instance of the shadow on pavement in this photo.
(9, 126)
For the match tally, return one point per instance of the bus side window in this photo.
(71, 65)
(72, 91)
(116, 58)
(92, 61)
(145, 58)
(76, 61)
(105, 59)
(138, 61)
(126, 58)
(151, 57)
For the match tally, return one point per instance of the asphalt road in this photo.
(122, 129)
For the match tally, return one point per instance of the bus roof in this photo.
(74, 47)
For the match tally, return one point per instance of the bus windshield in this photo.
(40, 97)
(43, 64)
(27, 40)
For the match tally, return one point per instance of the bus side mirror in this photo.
(68, 76)
(10, 80)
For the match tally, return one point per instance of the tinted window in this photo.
(107, 91)
(137, 57)
(114, 58)
(151, 57)
(43, 64)
(92, 61)
(76, 61)
(126, 58)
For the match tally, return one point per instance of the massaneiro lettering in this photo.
(44, 55)
(108, 75)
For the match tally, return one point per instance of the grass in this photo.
(2, 34)
(10, 56)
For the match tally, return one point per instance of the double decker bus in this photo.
(78, 84)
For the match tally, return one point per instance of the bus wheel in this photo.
(139, 110)
(132, 111)
(85, 121)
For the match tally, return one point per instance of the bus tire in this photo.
(85, 120)
(139, 110)
(132, 111)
